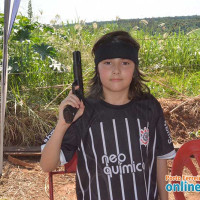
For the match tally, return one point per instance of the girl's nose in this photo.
(116, 68)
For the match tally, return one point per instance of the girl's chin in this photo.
(117, 89)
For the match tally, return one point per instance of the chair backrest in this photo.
(69, 167)
(183, 159)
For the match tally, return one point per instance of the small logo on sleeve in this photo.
(144, 136)
(48, 136)
(168, 132)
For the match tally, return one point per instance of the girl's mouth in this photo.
(116, 79)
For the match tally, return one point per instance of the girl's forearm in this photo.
(162, 170)
(50, 158)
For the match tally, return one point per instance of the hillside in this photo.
(159, 24)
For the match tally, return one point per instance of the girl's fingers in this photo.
(72, 100)
(80, 111)
(76, 87)
(74, 97)
(75, 100)
(73, 103)
(81, 104)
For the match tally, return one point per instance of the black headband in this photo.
(116, 50)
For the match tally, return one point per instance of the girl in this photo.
(119, 132)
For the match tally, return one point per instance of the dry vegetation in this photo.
(22, 183)
(183, 117)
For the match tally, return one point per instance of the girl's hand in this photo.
(74, 101)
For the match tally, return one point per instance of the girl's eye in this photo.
(125, 63)
(107, 63)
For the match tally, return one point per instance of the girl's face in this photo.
(116, 74)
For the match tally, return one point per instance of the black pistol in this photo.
(69, 112)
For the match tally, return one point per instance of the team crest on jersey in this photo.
(144, 136)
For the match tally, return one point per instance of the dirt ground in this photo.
(183, 118)
(30, 183)
(19, 183)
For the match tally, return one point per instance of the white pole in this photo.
(4, 74)
(13, 16)
(4, 77)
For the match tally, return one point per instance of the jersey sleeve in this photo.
(68, 146)
(164, 145)
(46, 139)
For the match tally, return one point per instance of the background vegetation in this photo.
(40, 65)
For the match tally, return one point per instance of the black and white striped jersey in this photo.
(118, 147)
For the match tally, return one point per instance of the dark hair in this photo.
(137, 88)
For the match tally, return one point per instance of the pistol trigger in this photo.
(76, 92)
(74, 84)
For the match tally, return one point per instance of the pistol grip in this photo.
(68, 113)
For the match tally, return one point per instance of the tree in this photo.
(30, 11)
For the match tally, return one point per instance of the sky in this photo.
(106, 10)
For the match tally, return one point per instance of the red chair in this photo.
(183, 159)
(69, 167)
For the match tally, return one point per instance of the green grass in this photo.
(36, 85)
(168, 84)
